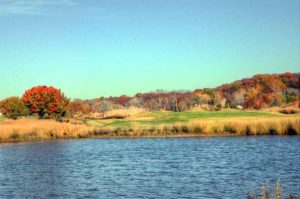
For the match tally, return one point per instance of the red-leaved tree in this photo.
(46, 101)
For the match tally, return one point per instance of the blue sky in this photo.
(99, 48)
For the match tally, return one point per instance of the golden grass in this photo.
(116, 113)
(251, 126)
(29, 129)
(34, 129)
(234, 126)
(123, 113)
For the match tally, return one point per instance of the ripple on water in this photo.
(149, 168)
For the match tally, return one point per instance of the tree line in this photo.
(260, 91)
(257, 92)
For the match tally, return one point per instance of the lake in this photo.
(218, 167)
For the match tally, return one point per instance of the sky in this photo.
(93, 48)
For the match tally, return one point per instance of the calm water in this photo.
(149, 168)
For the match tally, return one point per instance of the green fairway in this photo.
(165, 118)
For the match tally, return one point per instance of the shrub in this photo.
(198, 129)
(46, 101)
(289, 111)
(15, 135)
(13, 108)
(184, 129)
(228, 128)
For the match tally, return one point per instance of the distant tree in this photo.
(252, 100)
(217, 102)
(136, 102)
(46, 101)
(78, 107)
(186, 101)
(205, 99)
(122, 100)
(104, 106)
(238, 98)
(234, 88)
(208, 91)
(270, 84)
(13, 108)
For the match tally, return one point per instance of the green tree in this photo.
(13, 108)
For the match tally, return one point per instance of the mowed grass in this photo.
(169, 118)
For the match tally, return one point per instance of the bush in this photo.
(228, 128)
(13, 108)
(15, 135)
(289, 111)
(46, 101)
(198, 129)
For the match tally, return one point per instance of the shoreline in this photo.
(214, 135)
(153, 125)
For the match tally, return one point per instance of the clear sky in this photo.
(93, 48)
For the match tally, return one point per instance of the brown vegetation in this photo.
(242, 126)
(265, 194)
(33, 129)
(258, 92)
(115, 113)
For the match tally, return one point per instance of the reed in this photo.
(269, 126)
(31, 129)
(123, 113)
(265, 194)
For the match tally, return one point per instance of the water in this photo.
(224, 167)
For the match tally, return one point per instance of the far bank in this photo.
(154, 124)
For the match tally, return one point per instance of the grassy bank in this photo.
(34, 129)
(234, 127)
(156, 124)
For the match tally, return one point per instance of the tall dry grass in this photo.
(245, 126)
(265, 194)
(28, 129)
(115, 113)
(250, 126)
(33, 129)
(123, 113)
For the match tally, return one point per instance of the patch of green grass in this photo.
(167, 118)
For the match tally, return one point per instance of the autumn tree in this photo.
(122, 100)
(136, 102)
(78, 108)
(46, 101)
(13, 107)
(104, 106)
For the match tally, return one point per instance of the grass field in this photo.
(169, 118)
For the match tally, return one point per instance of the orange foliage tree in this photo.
(46, 101)
(78, 108)
(266, 91)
